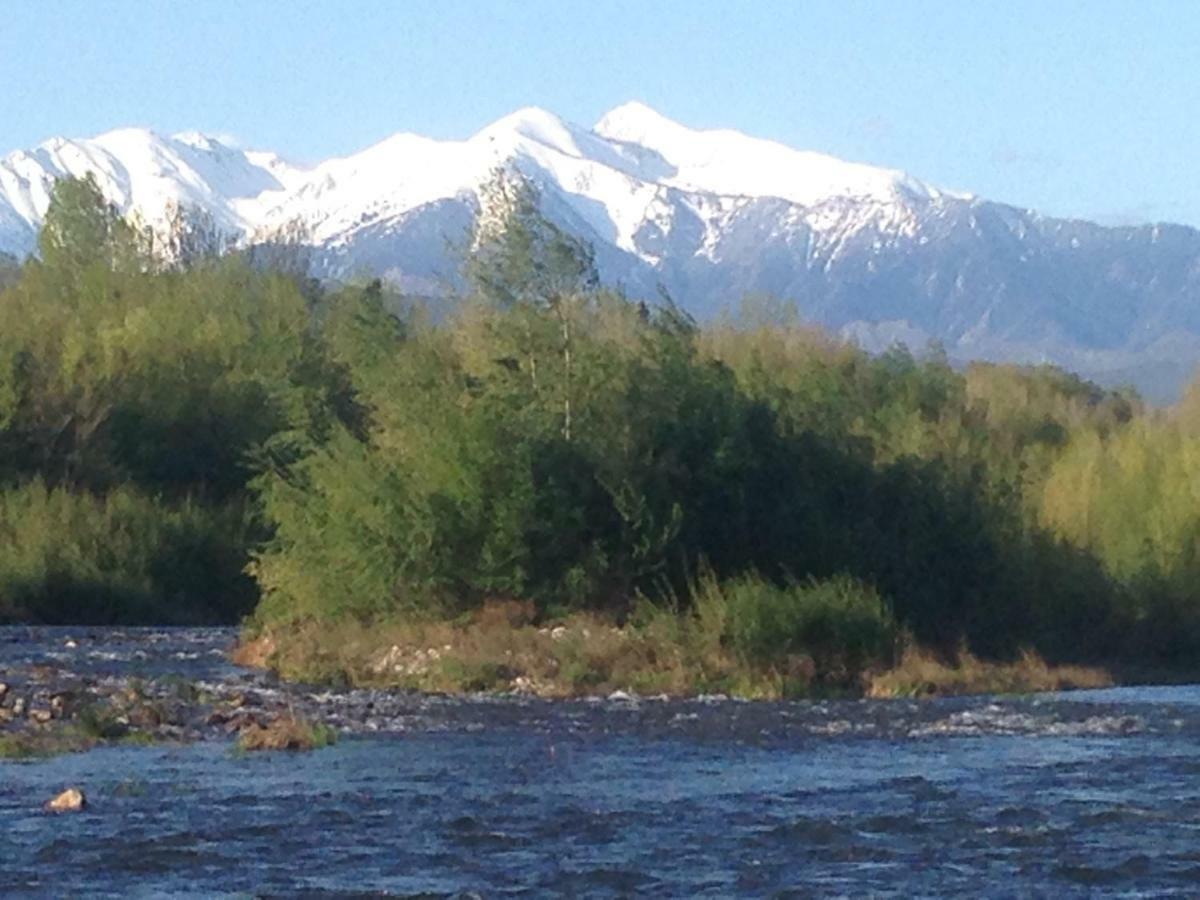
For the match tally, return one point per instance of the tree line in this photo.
(192, 436)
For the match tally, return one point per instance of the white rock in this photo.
(70, 800)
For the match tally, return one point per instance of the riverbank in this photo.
(501, 650)
(71, 690)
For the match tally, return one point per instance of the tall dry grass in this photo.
(920, 673)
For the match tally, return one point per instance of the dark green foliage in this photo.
(551, 441)
(560, 444)
(136, 396)
(843, 625)
(69, 557)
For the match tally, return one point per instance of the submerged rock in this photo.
(70, 800)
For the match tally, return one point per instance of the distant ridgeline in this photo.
(201, 436)
(867, 253)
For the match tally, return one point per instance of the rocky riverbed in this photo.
(1086, 794)
(64, 690)
(178, 685)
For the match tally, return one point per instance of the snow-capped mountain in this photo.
(710, 215)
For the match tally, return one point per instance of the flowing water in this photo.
(1093, 793)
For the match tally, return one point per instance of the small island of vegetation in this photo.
(539, 484)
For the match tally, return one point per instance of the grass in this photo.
(97, 724)
(286, 733)
(578, 655)
(920, 673)
(657, 651)
(101, 723)
(37, 744)
(748, 637)
(72, 738)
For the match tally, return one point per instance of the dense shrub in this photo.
(842, 624)
(73, 557)
(547, 441)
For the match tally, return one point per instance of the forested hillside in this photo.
(195, 437)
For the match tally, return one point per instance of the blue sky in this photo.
(1073, 108)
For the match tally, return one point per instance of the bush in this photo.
(78, 558)
(842, 624)
(286, 733)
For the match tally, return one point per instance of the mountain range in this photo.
(710, 216)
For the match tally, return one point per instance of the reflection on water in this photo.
(1086, 795)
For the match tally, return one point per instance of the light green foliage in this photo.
(495, 454)
(1133, 499)
(82, 232)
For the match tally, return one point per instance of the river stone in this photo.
(63, 704)
(18, 707)
(3, 689)
(70, 800)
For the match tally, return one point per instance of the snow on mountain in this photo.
(731, 163)
(598, 180)
(710, 215)
(141, 172)
(635, 169)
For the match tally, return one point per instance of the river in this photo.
(1086, 794)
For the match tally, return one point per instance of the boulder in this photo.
(70, 800)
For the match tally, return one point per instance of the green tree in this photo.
(82, 229)
(521, 261)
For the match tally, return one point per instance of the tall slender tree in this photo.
(521, 260)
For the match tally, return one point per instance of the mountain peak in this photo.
(535, 124)
(633, 121)
(201, 141)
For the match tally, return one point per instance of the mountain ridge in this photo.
(710, 215)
